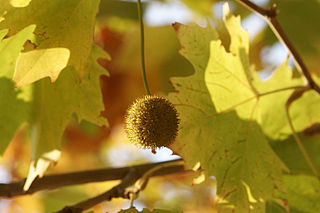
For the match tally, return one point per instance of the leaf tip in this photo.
(226, 10)
(39, 167)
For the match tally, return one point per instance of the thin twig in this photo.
(50, 182)
(270, 16)
(294, 96)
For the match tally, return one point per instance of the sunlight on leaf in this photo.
(71, 26)
(233, 150)
(14, 108)
(250, 197)
(11, 47)
(199, 179)
(271, 111)
(233, 85)
(36, 64)
(20, 3)
(53, 108)
(38, 168)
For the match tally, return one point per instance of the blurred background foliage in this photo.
(89, 147)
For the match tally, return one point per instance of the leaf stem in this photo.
(264, 94)
(294, 96)
(270, 16)
(145, 81)
(281, 90)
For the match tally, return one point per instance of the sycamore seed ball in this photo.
(152, 122)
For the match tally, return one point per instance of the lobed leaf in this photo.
(62, 47)
(226, 110)
(218, 127)
(60, 24)
(54, 105)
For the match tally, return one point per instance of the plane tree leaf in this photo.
(14, 109)
(60, 24)
(290, 154)
(233, 84)
(218, 125)
(37, 64)
(10, 48)
(60, 42)
(226, 110)
(54, 105)
(302, 193)
(13, 112)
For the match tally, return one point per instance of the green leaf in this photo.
(10, 48)
(213, 131)
(273, 207)
(61, 27)
(233, 85)
(37, 64)
(14, 108)
(60, 24)
(290, 154)
(53, 106)
(272, 117)
(13, 112)
(302, 193)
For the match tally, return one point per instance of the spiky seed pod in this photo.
(152, 122)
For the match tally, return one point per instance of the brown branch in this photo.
(116, 192)
(270, 16)
(50, 182)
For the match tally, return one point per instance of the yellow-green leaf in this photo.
(14, 107)
(218, 123)
(60, 24)
(54, 104)
(37, 64)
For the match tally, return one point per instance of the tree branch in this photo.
(116, 192)
(129, 188)
(50, 182)
(270, 16)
